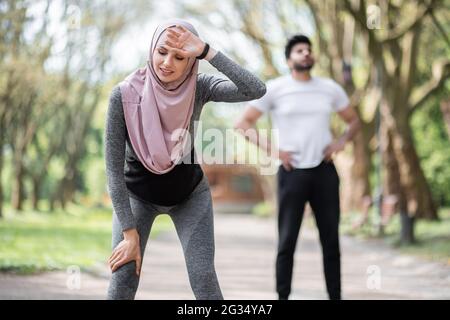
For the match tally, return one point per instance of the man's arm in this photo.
(350, 117)
(248, 121)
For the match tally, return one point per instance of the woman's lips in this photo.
(165, 72)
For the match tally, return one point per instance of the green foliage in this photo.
(263, 209)
(433, 147)
(95, 179)
(36, 241)
(432, 237)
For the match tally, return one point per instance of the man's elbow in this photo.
(261, 91)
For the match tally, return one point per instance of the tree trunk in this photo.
(1, 185)
(354, 173)
(418, 195)
(1, 174)
(52, 201)
(403, 175)
(61, 195)
(1, 170)
(66, 190)
(69, 193)
(69, 189)
(391, 174)
(36, 193)
(445, 109)
(18, 192)
(360, 168)
(392, 186)
(68, 185)
(413, 184)
(407, 228)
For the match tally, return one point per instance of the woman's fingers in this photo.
(138, 266)
(125, 252)
(184, 37)
(179, 26)
(172, 44)
(180, 31)
(176, 35)
(113, 255)
(177, 50)
(120, 261)
(173, 31)
(181, 36)
(172, 37)
(118, 264)
(114, 261)
(184, 32)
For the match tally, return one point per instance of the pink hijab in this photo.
(155, 112)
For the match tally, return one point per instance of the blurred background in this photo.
(60, 59)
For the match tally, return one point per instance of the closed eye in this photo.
(164, 52)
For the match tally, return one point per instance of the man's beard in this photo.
(303, 67)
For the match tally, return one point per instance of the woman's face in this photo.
(168, 65)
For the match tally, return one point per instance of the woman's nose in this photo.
(167, 61)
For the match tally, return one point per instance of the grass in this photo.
(432, 237)
(40, 241)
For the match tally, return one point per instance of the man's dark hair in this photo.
(299, 38)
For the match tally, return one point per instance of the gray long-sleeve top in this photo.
(244, 86)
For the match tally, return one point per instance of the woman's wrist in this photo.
(211, 53)
(130, 234)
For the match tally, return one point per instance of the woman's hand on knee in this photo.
(127, 250)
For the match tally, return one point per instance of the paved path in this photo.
(245, 253)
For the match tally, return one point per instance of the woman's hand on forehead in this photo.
(184, 42)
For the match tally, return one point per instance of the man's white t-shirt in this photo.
(300, 112)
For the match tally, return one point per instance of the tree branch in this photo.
(440, 28)
(441, 72)
(361, 18)
(397, 34)
(321, 35)
(252, 29)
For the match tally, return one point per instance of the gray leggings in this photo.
(193, 220)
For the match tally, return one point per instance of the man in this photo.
(300, 106)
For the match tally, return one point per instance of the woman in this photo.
(149, 123)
